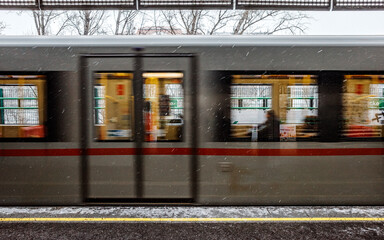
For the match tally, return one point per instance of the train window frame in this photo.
(40, 81)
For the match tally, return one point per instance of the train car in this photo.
(224, 120)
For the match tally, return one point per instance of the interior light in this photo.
(163, 75)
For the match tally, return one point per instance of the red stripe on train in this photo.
(92, 152)
(291, 152)
(188, 151)
(167, 151)
(111, 151)
(146, 151)
(39, 152)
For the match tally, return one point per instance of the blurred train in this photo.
(202, 120)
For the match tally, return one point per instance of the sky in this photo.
(321, 23)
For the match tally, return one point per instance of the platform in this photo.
(191, 222)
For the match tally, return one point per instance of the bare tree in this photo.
(156, 20)
(268, 22)
(141, 24)
(157, 23)
(170, 21)
(87, 22)
(287, 21)
(204, 22)
(125, 22)
(191, 21)
(44, 19)
(217, 20)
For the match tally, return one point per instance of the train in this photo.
(218, 120)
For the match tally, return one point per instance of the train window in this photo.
(113, 106)
(363, 106)
(22, 101)
(274, 107)
(299, 109)
(163, 106)
(249, 103)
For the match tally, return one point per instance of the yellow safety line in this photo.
(316, 219)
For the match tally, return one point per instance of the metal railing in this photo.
(326, 5)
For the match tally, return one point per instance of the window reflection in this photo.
(363, 106)
(113, 106)
(301, 109)
(164, 106)
(22, 103)
(274, 107)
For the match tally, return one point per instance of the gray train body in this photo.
(203, 173)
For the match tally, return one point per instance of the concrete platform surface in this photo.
(192, 222)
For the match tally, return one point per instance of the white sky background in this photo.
(322, 23)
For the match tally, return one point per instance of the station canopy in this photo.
(327, 5)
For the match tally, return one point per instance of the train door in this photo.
(139, 147)
(168, 119)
